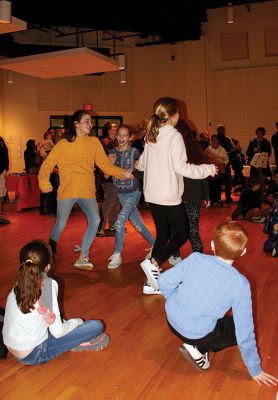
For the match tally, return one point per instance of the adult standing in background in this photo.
(4, 166)
(76, 156)
(259, 145)
(227, 144)
(50, 198)
(204, 140)
(30, 157)
(274, 142)
(215, 183)
(33, 160)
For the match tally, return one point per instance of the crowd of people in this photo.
(193, 171)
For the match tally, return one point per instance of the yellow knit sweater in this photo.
(76, 162)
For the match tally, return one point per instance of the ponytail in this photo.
(152, 130)
(70, 132)
(28, 286)
(164, 108)
(34, 257)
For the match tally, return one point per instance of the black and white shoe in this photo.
(195, 357)
(152, 272)
(148, 289)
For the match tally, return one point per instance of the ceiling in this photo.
(152, 22)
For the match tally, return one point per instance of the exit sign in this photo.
(88, 107)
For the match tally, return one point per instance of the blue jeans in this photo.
(53, 347)
(129, 211)
(89, 208)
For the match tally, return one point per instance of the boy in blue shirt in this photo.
(200, 290)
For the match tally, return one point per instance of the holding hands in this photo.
(112, 158)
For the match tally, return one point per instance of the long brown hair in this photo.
(163, 109)
(70, 129)
(34, 258)
(195, 154)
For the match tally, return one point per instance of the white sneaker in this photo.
(115, 262)
(195, 357)
(152, 272)
(173, 260)
(148, 289)
(84, 263)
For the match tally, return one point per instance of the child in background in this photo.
(200, 290)
(250, 203)
(33, 329)
(129, 193)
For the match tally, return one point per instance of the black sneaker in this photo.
(4, 221)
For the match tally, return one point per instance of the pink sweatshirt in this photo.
(165, 164)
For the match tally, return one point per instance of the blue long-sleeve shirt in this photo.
(200, 290)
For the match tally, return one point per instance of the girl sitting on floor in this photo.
(33, 329)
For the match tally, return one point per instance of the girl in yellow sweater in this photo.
(76, 156)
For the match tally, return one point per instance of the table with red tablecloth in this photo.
(27, 189)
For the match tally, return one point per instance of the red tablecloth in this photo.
(27, 188)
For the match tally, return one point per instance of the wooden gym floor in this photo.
(142, 361)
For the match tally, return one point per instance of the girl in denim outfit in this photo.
(129, 192)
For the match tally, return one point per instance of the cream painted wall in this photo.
(184, 78)
(196, 75)
(249, 86)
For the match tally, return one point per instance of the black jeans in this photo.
(221, 337)
(171, 230)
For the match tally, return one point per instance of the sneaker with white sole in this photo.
(115, 262)
(173, 260)
(195, 357)
(274, 252)
(84, 263)
(152, 272)
(96, 344)
(258, 220)
(148, 289)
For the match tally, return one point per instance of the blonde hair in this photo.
(230, 239)
(163, 109)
